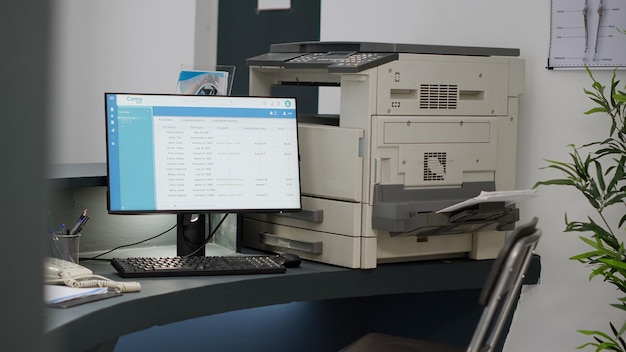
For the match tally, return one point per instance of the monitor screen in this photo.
(200, 154)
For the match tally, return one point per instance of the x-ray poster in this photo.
(587, 33)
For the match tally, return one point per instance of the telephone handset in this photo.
(59, 271)
(53, 267)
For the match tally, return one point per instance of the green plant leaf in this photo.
(587, 255)
(618, 334)
(599, 175)
(597, 170)
(618, 306)
(597, 244)
(599, 271)
(622, 329)
(622, 220)
(614, 263)
(568, 169)
(595, 110)
(607, 343)
(555, 182)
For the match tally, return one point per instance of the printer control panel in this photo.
(333, 61)
(341, 61)
(322, 59)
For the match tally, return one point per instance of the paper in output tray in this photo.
(491, 196)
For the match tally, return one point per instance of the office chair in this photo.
(497, 298)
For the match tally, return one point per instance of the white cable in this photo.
(87, 281)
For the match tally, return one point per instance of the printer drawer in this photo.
(312, 245)
(324, 215)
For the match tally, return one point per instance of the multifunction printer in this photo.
(420, 128)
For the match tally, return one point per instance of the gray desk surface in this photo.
(166, 300)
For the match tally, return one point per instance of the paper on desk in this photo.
(58, 293)
(492, 196)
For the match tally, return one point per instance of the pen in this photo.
(81, 220)
(82, 224)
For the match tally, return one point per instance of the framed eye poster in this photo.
(588, 33)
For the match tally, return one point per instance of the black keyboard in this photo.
(196, 265)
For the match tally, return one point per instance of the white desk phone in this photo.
(59, 271)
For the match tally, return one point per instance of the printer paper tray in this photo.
(329, 248)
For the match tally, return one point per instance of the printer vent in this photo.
(438, 96)
(435, 166)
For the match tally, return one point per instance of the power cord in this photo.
(207, 239)
(211, 234)
(129, 245)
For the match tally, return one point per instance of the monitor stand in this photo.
(190, 234)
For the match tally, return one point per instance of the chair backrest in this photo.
(503, 285)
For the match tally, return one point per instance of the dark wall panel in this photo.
(244, 32)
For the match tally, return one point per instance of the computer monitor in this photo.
(189, 155)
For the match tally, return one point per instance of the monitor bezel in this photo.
(194, 211)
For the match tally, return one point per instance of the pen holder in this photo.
(65, 246)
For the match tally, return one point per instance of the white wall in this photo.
(115, 46)
(110, 46)
(551, 117)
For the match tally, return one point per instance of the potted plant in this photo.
(596, 170)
